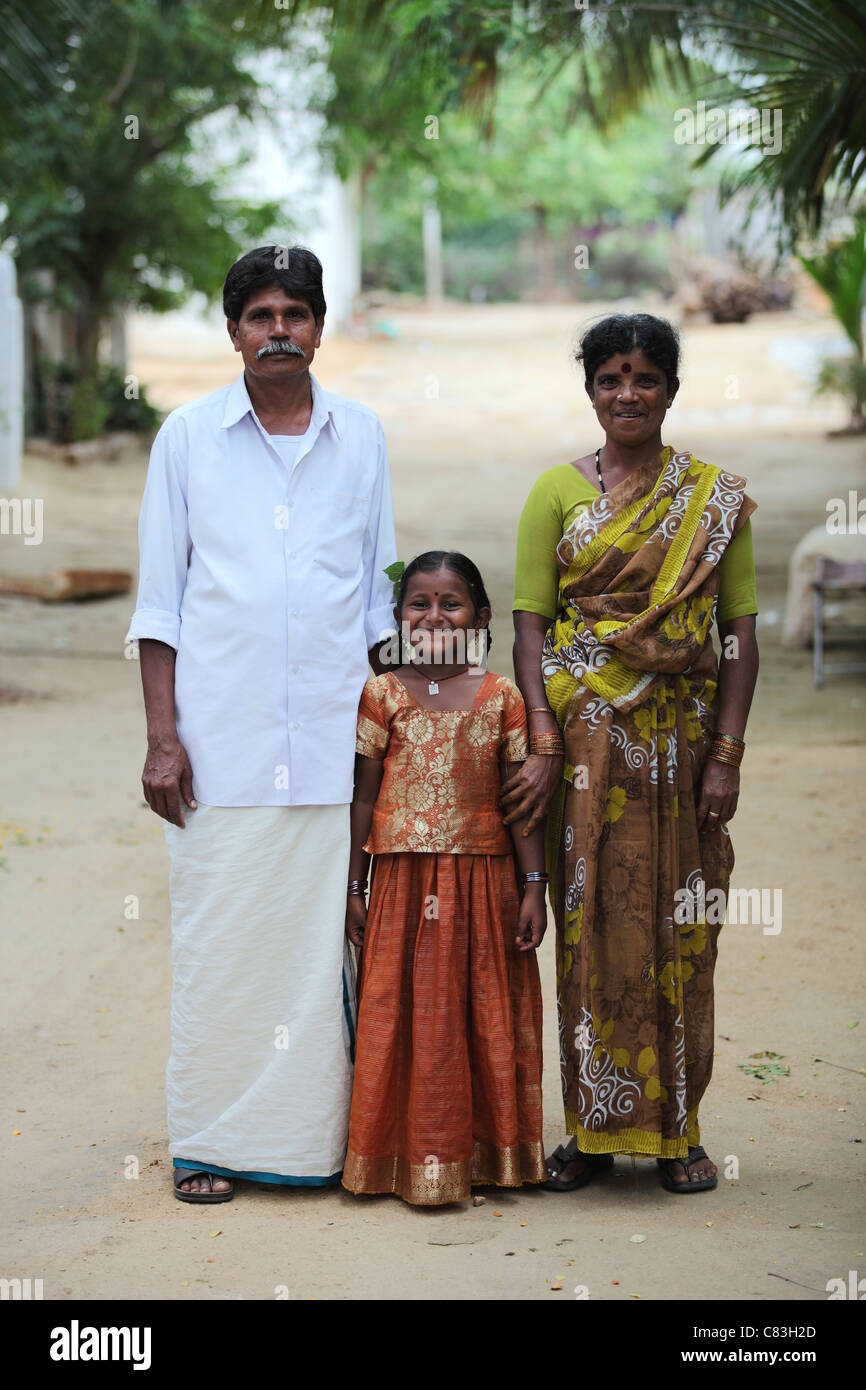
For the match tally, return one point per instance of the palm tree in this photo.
(803, 58)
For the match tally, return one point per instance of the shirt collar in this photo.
(238, 404)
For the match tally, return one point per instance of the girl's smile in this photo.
(436, 608)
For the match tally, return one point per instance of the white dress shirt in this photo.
(267, 577)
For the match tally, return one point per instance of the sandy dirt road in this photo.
(475, 403)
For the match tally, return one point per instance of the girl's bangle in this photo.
(357, 887)
(539, 709)
(536, 876)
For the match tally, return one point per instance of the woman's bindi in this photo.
(626, 367)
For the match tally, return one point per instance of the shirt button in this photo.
(294, 670)
(294, 724)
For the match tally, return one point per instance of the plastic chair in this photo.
(833, 577)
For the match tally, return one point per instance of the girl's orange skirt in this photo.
(447, 1086)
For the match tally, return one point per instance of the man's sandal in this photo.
(184, 1174)
(594, 1164)
(705, 1184)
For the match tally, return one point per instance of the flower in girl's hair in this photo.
(395, 574)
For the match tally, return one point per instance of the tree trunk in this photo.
(545, 282)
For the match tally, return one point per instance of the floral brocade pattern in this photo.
(441, 780)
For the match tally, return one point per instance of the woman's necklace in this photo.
(433, 686)
(598, 470)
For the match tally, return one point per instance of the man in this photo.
(265, 530)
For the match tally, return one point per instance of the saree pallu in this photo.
(448, 1064)
(631, 675)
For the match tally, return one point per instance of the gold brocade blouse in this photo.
(441, 781)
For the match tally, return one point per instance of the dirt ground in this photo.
(475, 403)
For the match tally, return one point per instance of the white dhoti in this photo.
(262, 1017)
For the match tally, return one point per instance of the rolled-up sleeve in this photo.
(380, 551)
(163, 540)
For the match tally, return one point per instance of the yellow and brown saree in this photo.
(631, 674)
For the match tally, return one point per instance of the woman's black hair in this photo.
(432, 560)
(294, 268)
(620, 333)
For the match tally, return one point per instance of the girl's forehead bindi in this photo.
(626, 367)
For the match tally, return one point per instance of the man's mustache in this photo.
(281, 345)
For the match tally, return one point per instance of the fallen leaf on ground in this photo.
(555, 1286)
(216, 1233)
(636, 1240)
(478, 1201)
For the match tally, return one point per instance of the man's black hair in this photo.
(294, 268)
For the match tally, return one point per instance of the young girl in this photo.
(448, 1057)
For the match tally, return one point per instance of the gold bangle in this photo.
(538, 709)
(546, 748)
(729, 738)
(724, 756)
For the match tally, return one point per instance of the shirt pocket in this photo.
(341, 521)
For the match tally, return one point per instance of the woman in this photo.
(636, 734)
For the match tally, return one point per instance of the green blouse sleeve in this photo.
(556, 497)
(738, 590)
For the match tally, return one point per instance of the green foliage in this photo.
(845, 377)
(841, 272)
(767, 1066)
(69, 408)
(805, 58)
(101, 155)
(544, 173)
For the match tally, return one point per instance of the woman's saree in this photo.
(631, 675)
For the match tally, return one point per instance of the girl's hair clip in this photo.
(395, 574)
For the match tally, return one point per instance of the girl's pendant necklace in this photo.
(433, 686)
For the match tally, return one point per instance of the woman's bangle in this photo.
(536, 876)
(729, 738)
(357, 887)
(539, 709)
(547, 745)
(726, 749)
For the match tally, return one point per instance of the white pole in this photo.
(11, 377)
(433, 251)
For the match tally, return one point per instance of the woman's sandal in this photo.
(595, 1164)
(184, 1174)
(705, 1184)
